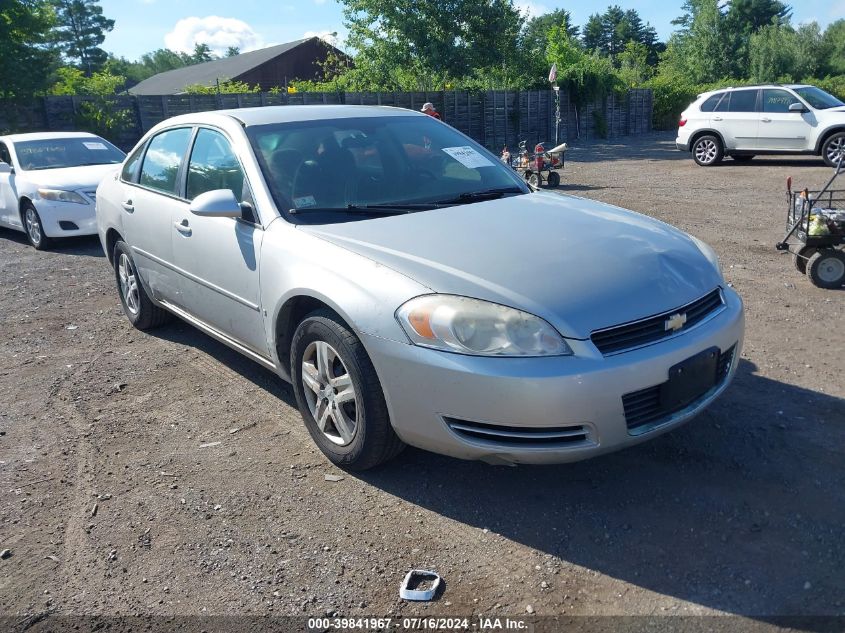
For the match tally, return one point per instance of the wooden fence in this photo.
(493, 118)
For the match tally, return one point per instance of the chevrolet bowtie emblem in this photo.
(675, 322)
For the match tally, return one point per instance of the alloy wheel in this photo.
(33, 226)
(706, 151)
(128, 284)
(836, 150)
(330, 394)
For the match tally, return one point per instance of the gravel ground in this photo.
(164, 474)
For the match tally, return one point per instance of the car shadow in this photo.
(740, 510)
(85, 245)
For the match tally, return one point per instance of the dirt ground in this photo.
(163, 474)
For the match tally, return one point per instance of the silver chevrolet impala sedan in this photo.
(413, 290)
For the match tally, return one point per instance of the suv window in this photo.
(743, 101)
(163, 158)
(711, 102)
(213, 166)
(4, 154)
(778, 100)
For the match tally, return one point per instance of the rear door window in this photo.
(712, 102)
(164, 157)
(743, 101)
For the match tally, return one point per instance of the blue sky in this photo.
(145, 25)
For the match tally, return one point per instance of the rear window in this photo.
(711, 102)
(743, 101)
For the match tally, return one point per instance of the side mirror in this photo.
(797, 107)
(220, 203)
(6, 168)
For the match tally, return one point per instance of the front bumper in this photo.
(59, 218)
(426, 388)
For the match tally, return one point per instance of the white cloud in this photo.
(336, 38)
(530, 9)
(219, 33)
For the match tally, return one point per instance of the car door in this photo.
(150, 200)
(737, 119)
(218, 257)
(779, 128)
(8, 194)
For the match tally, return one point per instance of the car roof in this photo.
(290, 113)
(45, 136)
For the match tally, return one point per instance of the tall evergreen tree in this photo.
(80, 29)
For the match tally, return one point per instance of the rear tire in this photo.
(800, 258)
(826, 268)
(834, 149)
(34, 229)
(342, 390)
(707, 150)
(137, 306)
(554, 179)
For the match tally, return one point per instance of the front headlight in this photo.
(470, 326)
(708, 253)
(59, 195)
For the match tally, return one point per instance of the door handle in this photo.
(127, 206)
(766, 120)
(717, 118)
(183, 228)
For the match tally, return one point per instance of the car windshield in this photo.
(818, 98)
(369, 166)
(56, 153)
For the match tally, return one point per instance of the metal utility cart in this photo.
(815, 225)
(533, 166)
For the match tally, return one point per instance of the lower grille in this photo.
(520, 435)
(644, 408)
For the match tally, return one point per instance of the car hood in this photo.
(86, 177)
(579, 264)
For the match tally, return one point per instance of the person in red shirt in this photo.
(428, 108)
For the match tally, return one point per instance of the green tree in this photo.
(202, 53)
(100, 112)
(701, 49)
(634, 68)
(608, 33)
(534, 40)
(586, 76)
(232, 51)
(833, 49)
(80, 29)
(424, 40)
(25, 57)
(773, 53)
(810, 50)
(743, 19)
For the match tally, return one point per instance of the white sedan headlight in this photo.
(470, 326)
(60, 195)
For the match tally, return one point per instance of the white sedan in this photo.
(48, 183)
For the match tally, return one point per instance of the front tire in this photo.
(34, 229)
(833, 149)
(339, 395)
(137, 306)
(707, 150)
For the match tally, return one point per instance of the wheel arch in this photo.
(707, 131)
(112, 238)
(289, 316)
(826, 135)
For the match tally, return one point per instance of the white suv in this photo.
(770, 119)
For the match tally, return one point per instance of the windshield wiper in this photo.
(369, 209)
(486, 194)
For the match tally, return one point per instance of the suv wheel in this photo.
(339, 395)
(707, 150)
(833, 149)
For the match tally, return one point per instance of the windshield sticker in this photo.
(304, 201)
(95, 145)
(467, 157)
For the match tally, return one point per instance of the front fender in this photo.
(364, 293)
